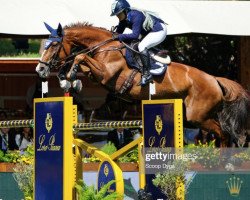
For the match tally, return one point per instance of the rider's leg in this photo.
(151, 40)
(146, 76)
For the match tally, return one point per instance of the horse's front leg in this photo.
(72, 73)
(68, 78)
(85, 62)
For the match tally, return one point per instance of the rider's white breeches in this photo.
(153, 38)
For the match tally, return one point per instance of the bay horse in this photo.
(211, 103)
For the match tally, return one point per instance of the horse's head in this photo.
(54, 53)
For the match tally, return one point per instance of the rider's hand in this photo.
(115, 37)
(113, 29)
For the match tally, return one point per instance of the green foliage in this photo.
(24, 172)
(207, 154)
(214, 54)
(8, 50)
(23, 175)
(109, 148)
(244, 155)
(90, 193)
(131, 156)
(17, 156)
(9, 157)
(172, 179)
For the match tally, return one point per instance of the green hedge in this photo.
(7, 49)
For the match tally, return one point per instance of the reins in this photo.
(129, 47)
(86, 51)
(54, 62)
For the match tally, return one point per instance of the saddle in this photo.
(159, 59)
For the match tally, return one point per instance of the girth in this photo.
(128, 82)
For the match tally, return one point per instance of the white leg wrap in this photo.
(77, 85)
(64, 84)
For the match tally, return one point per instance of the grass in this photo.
(7, 49)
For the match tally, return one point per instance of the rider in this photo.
(145, 23)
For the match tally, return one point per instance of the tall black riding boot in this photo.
(146, 76)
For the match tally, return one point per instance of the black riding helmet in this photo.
(118, 6)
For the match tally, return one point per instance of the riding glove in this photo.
(115, 37)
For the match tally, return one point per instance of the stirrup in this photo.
(145, 79)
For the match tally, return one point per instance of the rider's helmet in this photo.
(118, 6)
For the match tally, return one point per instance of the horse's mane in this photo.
(80, 25)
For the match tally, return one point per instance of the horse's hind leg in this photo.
(199, 119)
(211, 125)
(201, 107)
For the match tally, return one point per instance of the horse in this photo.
(211, 103)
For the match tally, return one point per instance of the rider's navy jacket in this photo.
(134, 21)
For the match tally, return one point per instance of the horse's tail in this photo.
(234, 114)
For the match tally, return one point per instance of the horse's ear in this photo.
(59, 30)
(50, 29)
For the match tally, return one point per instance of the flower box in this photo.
(6, 167)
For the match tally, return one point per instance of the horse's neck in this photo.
(90, 37)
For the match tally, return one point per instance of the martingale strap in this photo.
(128, 83)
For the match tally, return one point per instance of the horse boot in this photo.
(73, 74)
(146, 76)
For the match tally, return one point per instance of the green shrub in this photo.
(90, 193)
(9, 156)
(171, 180)
(131, 156)
(23, 175)
(207, 154)
(8, 50)
(109, 148)
(24, 172)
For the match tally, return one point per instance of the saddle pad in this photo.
(133, 61)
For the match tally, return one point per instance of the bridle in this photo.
(54, 61)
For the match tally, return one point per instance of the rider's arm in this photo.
(136, 20)
(121, 26)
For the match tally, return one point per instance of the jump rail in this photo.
(78, 126)
(17, 123)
